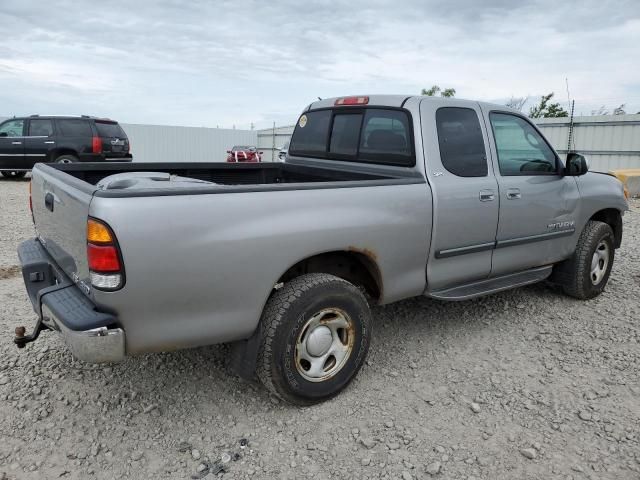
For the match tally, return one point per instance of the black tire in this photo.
(13, 174)
(66, 159)
(288, 317)
(575, 275)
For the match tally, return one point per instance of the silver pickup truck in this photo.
(381, 198)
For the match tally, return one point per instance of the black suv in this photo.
(25, 141)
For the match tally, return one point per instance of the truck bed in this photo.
(260, 176)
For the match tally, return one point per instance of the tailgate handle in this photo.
(48, 201)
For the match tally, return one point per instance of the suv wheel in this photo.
(315, 334)
(13, 174)
(67, 159)
(586, 273)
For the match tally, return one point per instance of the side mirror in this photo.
(577, 164)
(4, 134)
(228, 151)
(261, 153)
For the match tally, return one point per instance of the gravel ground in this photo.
(527, 384)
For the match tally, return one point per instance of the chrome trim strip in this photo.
(511, 242)
(452, 252)
(23, 154)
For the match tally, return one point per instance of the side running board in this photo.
(492, 285)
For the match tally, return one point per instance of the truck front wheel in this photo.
(315, 334)
(586, 273)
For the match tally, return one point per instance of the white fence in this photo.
(609, 141)
(271, 141)
(158, 143)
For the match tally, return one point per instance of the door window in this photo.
(12, 128)
(461, 142)
(40, 128)
(521, 149)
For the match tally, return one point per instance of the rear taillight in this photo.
(105, 262)
(96, 145)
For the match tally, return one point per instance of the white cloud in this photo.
(237, 62)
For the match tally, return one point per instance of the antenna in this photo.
(568, 96)
(569, 149)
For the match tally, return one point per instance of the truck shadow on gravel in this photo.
(198, 377)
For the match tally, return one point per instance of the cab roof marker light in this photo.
(352, 101)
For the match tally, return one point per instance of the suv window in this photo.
(110, 129)
(75, 128)
(40, 128)
(521, 149)
(360, 135)
(12, 128)
(461, 142)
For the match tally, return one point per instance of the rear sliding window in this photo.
(109, 129)
(371, 135)
(74, 128)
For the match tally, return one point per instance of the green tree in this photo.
(546, 109)
(433, 91)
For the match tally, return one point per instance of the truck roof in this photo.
(400, 100)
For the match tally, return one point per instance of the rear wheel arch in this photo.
(357, 266)
(55, 154)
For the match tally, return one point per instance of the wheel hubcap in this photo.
(64, 160)
(599, 262)
(324, 345)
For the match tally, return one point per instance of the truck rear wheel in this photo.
(315, 335)
(586, 273)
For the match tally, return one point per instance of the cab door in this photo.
(465, 193)
(538, 204)
(12, 144)
(39, 141)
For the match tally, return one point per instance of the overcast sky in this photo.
(208, 63)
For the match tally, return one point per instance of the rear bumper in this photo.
(91, 335)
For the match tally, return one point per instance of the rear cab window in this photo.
(362, 134)
(109, 129)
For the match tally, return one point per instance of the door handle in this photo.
(48, 201)
(50, 142)
(487, 195)
(16, 143)
(514, 194)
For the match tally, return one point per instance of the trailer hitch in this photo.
(21, 339)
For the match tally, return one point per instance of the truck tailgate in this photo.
(60, 210)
